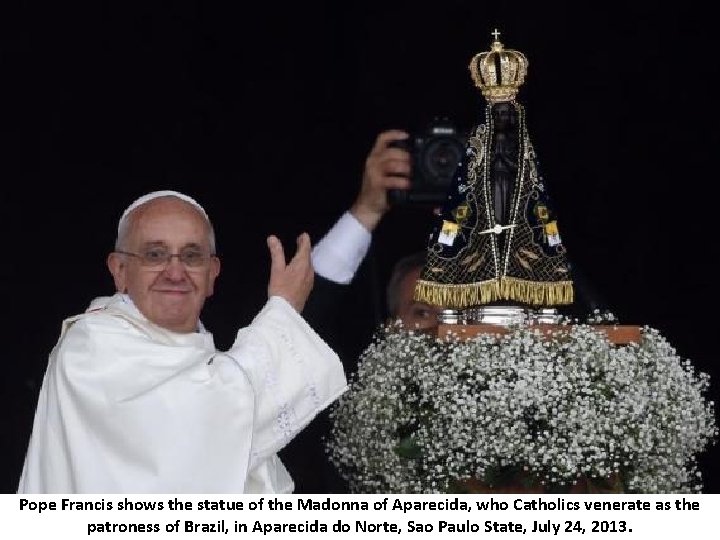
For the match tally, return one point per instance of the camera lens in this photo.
(440, 158)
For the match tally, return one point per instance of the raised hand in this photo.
(292, 281)
(385, 168)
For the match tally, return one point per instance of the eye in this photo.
(422, 312)
(192, 257)
(155, 254)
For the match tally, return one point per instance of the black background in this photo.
(265, 113)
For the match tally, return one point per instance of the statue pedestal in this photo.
(616, 334)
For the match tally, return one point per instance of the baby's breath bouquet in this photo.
(424, 415)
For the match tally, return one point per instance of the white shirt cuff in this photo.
(338, 254)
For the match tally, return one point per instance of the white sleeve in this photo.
(338, 254)
(293, 373)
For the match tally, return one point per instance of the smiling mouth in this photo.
(171, 291)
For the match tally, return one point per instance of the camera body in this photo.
(435, 153)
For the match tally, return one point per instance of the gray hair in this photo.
(127, 217)
(401, 269)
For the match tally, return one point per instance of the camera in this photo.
(436, 153)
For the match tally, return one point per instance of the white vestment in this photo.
(129, 407)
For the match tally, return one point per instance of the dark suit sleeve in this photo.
(323, 307)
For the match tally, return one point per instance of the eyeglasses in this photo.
(159, 257)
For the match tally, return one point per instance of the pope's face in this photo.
(414, 314)
(170, 295)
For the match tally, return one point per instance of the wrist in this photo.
(367, 217)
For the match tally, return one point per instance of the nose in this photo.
(175, 269)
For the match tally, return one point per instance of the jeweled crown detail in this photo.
(499, 72)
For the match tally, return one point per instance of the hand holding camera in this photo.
(387, 168)
(405, 169)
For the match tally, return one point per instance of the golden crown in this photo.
(499, 72)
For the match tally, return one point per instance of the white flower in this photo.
(422, 413)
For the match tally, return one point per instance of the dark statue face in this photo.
(504, 116)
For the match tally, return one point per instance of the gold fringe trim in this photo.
(536, 293)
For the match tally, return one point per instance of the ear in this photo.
(214, 272)
(117, 265)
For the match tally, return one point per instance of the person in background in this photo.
(401, 306)
(136, 398)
